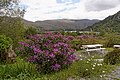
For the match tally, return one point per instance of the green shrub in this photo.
(20, 69)
(111, 39)
(5, 43)
(30, 31)
(112, 57)
(76, 44)
(13, 28)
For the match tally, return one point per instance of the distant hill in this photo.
(62, 24)
(111, 23)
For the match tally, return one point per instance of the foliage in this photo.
(111, 39)
(50, 52)
(70, 33)
(76, 44)
(112, 57)
(11, 8)
(30, 31)
(20, 70)
(78, 41)
(13, 28)
(5, 43)
(91, 68)
(86, 39)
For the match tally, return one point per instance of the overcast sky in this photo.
(69, 9)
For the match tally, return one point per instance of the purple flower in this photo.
(56, 45)
(31, 59)
(49, 49)
(52, 55)
(55, 50)
(37, 50)
(32, 47)
(24, 44)
(76, 59)
(73, 56)
(64, 62)
(35, 56)
(56, 67)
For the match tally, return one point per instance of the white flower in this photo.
(100, 75)
(99, 64)
(80, 55)
(103, 71)
(88, 59)
(86, 69)
(93, 68)
(87, 62)
(81, 59)
(93, 65)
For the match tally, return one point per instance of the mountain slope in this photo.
(111, 23)
(62, 24)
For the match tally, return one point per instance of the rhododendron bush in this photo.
(50, 52)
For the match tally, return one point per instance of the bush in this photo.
(111, 39)
(30, 31)
(49, 52)
(5, 43)
(112, 57)
(13, 28)
(76, 44)
(20, 70)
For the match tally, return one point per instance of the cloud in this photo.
(99, 5)
(68, 1)
(82, 9)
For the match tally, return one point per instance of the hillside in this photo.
(111, 23)
(62, 24)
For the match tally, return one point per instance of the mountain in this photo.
(111, 23)
(62, 24)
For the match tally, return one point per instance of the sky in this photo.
(69, 9)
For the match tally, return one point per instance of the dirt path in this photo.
(115, 75)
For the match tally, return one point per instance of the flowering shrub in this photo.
(50, 52)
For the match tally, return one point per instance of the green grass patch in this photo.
(109, 49)
(20, 69)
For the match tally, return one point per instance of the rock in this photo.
(115, 75)
(10, 55)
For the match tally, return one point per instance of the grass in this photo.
(109, 49)
(85, 68)
(78, 70)
(16, 70)
(22, 70)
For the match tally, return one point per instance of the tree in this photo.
(13, 28)
(11, 8)
(11, 23)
